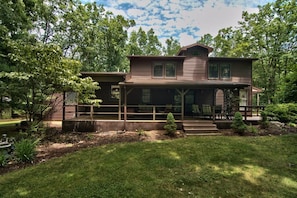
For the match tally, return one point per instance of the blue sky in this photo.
(184, 20)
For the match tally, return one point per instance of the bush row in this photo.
(286, 113)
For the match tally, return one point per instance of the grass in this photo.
(189, 167)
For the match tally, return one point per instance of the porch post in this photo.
(182, 104)
(182, 95)
(120, 102)
(64, 103)
(125, 107)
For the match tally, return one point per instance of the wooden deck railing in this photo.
(142, 111)
(155, 112)
(250, 111)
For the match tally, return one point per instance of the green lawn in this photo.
(188, 167)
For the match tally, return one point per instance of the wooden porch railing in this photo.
(152, 111)
(156, 112)
(251, 110)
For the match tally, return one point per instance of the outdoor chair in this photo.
(168, 108)
(206, 110)
(195, 110)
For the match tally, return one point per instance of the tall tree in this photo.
(31, 69)
(272, 34)
(207, 40)
(172, 46)
(144, 43)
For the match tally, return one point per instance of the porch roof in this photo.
(184, 83)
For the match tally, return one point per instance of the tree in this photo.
(272, 34)
(172, 47)
(32, 69)
(238, 125)
(144, 43)
(207, 40)
(170, 125)
(39, 73)
(94, 36)
(154, 46)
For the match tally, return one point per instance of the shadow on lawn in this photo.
(235, 168)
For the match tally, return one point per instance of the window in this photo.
(164, 70)
(216, 71)
(146, 96)
(158, 70)
(170, 70)
(213, 71)
(115, 92)
(225, 71)
(70, 98)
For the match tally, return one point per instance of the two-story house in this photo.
(190, 84)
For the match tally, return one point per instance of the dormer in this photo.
(195, 49)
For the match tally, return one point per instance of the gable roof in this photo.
(184, 48)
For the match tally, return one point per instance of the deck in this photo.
(111, 123)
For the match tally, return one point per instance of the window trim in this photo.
(227, 67)
(218, 71)
(164, 70)
(146, 95)
(220, 67)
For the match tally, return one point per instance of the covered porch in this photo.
(146, 107)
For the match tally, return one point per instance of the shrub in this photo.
(264, 121)
(252, 129)
(32, 130)
(170, 125)
(282, 112)
(3, 158)
(238, 125)
(25, 150)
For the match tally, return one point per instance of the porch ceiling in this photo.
(179, 83)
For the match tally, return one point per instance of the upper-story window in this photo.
(164, 70)
(213, 71)
(219, 71)
(225, 71)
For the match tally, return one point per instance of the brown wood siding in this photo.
(104, 93)
(56, 113)
(241, 71)
(194, 69)
(142, 68)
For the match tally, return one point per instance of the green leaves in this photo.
(269, 35)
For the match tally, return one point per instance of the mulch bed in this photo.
(57, 144)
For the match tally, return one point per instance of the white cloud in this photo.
(185, 20)
(186, 39)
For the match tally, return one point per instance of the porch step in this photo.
(200, 127)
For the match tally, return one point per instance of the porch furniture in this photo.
(168, 108)
(144, 109)
(206, 110)
(219, 111)
(195, 110)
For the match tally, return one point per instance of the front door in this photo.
(243, 99)
(189, 101)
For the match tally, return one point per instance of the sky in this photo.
(184, 20)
